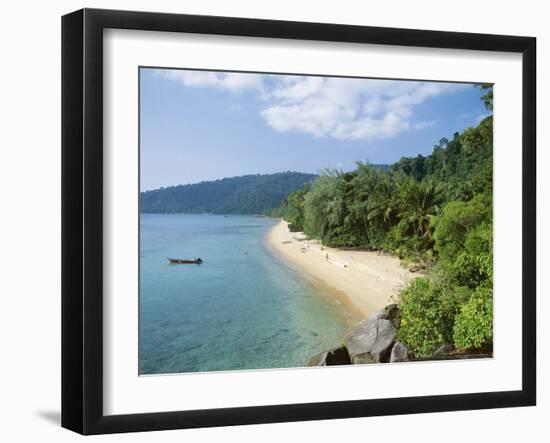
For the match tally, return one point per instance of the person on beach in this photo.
(327, 256)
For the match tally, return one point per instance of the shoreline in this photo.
(362, 281)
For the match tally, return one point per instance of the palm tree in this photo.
(420, 202)
(320, 205)
(384, 201)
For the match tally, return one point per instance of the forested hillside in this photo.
(248, 194)
(436, 211)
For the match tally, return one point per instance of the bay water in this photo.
(241, 308)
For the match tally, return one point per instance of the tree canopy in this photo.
(248, 194)
(436, 210)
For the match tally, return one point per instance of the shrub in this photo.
(474, 264)
(294, 228)
(394, 239)
(474, 324)
(452, 300)
(422, 325)
(454, 223)
(475, 139)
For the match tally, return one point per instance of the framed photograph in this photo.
(269, 221)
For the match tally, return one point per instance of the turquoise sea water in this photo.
(241, 309)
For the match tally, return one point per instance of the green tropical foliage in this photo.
(474, 325)
(384, 202)
(420, 202)
(422, 317)
(435, 210)
(248, 194)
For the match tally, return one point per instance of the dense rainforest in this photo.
(248, 194)
(435, 211)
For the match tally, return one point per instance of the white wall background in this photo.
(30, 218)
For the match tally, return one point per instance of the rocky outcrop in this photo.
(335, 356)
(448, 352)
(371, 341)
(443, 350)
(399, 352)
(391, 313)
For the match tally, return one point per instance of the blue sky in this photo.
(201, 125)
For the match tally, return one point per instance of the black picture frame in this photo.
(82, 218)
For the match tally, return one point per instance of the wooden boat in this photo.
(181, 261)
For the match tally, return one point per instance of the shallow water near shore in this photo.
(241, 309)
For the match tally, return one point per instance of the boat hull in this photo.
(179, 261)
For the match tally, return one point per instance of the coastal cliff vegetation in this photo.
(247, 194)
(436, 213)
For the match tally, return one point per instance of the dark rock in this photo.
(365, 358)
(333, 357)
(399, 352)
(390, 312)
(384, 340)
(381, 314)
(373, 336)
(371, 341)
(338, 356)
(387, 313)
(318, 360)
(393, 314)
(444, 349)
(361, 339)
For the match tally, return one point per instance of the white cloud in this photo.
(341, 108)
(350, 109)
(235, 82)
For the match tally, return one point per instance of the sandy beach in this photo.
(362, 280)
